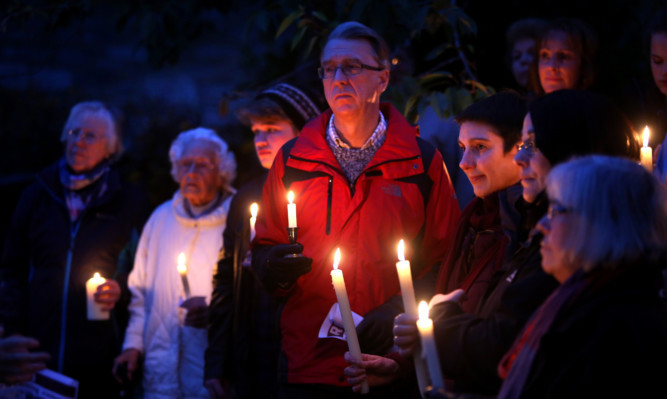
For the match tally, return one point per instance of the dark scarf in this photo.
(515, 366)
(480, 220)
(82, 188)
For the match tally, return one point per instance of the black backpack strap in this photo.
(422, 180)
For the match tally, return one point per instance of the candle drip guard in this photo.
(292, 234)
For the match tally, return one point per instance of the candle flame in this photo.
(290, 197)
(401, 250)
(423, 310)
(646, 135)
(253, 209)
(336, 259)
(96, 276)
(182, 269)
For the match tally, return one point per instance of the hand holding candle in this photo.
(254, 208)
(646, 151)
(183, 270)
(425, 326)
(410, 306)
(95, 309)
(346, 313)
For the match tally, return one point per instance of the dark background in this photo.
(174, 65)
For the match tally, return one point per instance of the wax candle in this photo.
(346, 313)
(183, 270)
(95, 311)
(410, 306)
(425, 326)
(291, 210)
(647, 152)
(254, 208)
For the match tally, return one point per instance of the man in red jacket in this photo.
(362, 181)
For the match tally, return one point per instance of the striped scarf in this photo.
(79, 189)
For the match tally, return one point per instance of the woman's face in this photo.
(269, 137)
(523, 54)
(488, 167)
(86, 144)
(534, 165)
(559, 65)
(556, 226)
(659, 60)
(198, 173)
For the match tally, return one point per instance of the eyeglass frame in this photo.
(555, 209)
(362, 66)
(88, 136)
(187, 164)
(530, 148)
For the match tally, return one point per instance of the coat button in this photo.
(415, 166)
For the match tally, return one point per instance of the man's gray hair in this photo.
(353, 30)
(225, 161)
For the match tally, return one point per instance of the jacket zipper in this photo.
(74, 229)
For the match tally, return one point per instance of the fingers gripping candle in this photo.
(346, 313)
(410, 306)
(95, 311)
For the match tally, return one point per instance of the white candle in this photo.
(183, 270)
(291, 210)
(95, 311)
(254, 208)
(647, 152)
(425, 326)
(410, 305)
(346, 313)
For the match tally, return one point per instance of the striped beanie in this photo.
(298, 106)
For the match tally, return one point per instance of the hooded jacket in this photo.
(173, 353)
(365, 219)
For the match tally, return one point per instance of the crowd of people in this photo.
(543, 262)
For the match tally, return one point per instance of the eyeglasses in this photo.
(529, 146)
(348, 69)
(88, 136)
(557, 209)
(185, 165)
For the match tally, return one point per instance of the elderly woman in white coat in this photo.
(167, 323)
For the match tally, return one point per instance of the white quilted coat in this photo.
(173, 354)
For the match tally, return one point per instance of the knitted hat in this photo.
(573, 123)
(297, 105)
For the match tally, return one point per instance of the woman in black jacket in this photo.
(72, 222)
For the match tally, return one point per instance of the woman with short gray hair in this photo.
(169, 307)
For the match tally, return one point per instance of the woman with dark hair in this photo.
(521, 39)
(602, 332)
(565, 123)
(566, 56)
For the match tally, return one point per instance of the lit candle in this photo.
(425, 326)
(346, 313)
(291, 210)
(647, 152)
(95, 311)
(410, 306)
(183, 270)
(253, 219)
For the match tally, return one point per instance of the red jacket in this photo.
(366, 223)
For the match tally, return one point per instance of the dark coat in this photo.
(47, 260)
(472, 344)
(244, 333)
(607, 341)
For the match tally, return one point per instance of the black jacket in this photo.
(472, 344)
(47, 260)
(243, 335)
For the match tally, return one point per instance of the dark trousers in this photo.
(316, 391)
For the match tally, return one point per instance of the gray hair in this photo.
(101, 111)
(353, 30)
(621, 209)
(225, 160)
